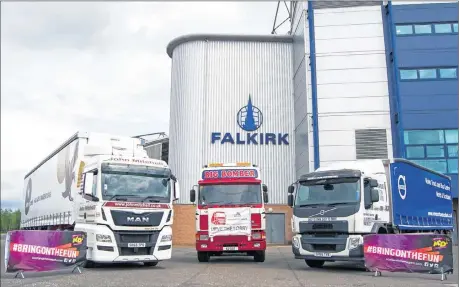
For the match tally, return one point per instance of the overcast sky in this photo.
(97, 67)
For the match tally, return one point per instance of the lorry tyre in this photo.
(203, 256)
(259, 256)
(88, 264)
(150, 264)
(315, 263)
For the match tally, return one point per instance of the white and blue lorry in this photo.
(336, 205)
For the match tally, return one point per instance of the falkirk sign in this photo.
(250, 139)
(250, 119)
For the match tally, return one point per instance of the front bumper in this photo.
(231, 244)
(341, 249)
(118, 250)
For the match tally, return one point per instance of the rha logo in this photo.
(250, 118)
(218, 218)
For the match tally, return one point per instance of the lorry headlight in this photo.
(354, 243)
(165, 238)
(203, 237)
(256, 235)
(103, 238)
(296, 242)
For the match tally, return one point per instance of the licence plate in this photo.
(322, 254)
(133, 245)
(231, 248)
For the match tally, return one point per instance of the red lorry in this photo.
(230, 211)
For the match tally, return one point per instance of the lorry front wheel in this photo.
(203, 256)
(150, 264)
(88, 264)
(259, 256)
(315, 263)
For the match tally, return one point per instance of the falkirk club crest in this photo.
(249, 118)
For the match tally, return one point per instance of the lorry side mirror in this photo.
(192, 195)
(291, 189)
(290, 199)
(264, 188)
(176, 190)
(374, 195)
(373, 183)
(265, 197)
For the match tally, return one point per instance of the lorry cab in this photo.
(336, 205)
(230, 203)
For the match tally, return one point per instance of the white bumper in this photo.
(107, 246)
(346, 248)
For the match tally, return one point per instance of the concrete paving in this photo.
(279, 269)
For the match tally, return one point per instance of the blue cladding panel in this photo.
(426, 104)
(422, 58)
(430, 119)
(425, 13)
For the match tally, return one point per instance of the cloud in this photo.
(96, 67)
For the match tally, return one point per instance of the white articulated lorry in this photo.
(106, 186)
(338, 204)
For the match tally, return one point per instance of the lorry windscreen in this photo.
(328, 191)
(135, 183)
(228, 194)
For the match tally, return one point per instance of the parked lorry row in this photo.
(107, 186)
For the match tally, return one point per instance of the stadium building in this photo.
(352, 80)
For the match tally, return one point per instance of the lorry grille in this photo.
(322, 226)
(324, 247)
(123, 238)
(312, 243)
(125, 218)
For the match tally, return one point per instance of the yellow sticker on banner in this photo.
(77, 239)
(440, 243)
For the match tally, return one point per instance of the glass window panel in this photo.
(452, 151)
(427, 73)
(439, 165)
(455, 27)
(408, 74)
(452, 165)
(404, 29)
(435, 151)
(451, 136)
(448, 73)
(423, 29)
(415, 137)
(442, 28)
(415, 152)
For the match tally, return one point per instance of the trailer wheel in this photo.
(259, 256)
(150, 264)
(203, 256)
(315, 263)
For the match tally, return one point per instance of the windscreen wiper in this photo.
(150, 197)
(311, 205)
(339, 203)
(116, 196)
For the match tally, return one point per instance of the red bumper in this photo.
(230, 243)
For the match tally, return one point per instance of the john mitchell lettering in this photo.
(250, 119)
